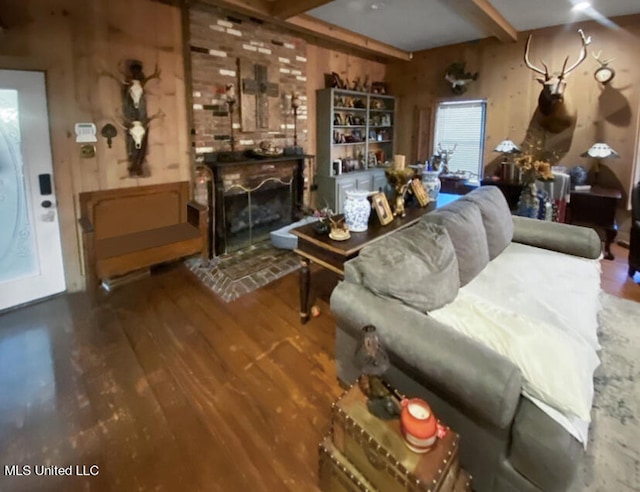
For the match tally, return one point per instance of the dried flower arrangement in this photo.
(535, 162)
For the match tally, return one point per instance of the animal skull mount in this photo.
(556, 115)
(132, 79)
(137, 132)
(137, 135)
(135, 81)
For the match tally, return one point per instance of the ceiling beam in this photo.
(325, 30)
(257, 8)
(283, 9)
(486, 17)
(261, 9)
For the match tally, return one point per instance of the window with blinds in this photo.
(461, 124)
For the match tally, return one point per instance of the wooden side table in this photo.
(366, 453)
(596, 208)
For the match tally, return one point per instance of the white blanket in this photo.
(552, 287)
(539, 309)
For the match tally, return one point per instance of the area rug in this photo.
(613, 454)
(234, 275)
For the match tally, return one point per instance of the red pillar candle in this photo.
(418, 425)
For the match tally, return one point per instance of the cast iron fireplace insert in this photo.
(253, 197)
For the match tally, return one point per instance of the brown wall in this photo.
(609, 115)
(73, 41)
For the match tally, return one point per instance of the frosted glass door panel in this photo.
(31, 265)
(18, 256)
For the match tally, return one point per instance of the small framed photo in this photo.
(419, 191)
(382, 207)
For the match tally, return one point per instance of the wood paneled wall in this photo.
(604, 114)
(73, 41)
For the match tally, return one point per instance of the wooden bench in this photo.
(133, 228)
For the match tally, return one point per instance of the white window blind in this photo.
(461, 123)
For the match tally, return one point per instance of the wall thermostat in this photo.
(85, 133)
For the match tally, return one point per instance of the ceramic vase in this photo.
(357, 210)
(432, 184)
(529, 203)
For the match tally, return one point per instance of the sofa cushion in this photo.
(463, 222)
(417, 266)
(541, 451)
(496, 217)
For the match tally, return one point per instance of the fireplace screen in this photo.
(250, 214)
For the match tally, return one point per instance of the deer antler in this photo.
(157, 114)
(120, 120)
(544, 72)
(154, 75)
(601, 62)
(583, 54)
(104, 72)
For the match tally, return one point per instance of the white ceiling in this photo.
(414, 25)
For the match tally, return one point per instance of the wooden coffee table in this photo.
(332, 255)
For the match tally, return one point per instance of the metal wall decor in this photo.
(604, 74)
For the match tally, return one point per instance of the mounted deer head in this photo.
(556, 117)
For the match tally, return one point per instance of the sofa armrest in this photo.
(482, 383)
(564, 238)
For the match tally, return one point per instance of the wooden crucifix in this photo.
(258, 94)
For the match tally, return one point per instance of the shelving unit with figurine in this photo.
(355, 142)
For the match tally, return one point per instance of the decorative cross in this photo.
(260, 87)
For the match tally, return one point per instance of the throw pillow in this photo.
(463, 222)
(496, 217)
(417, 266)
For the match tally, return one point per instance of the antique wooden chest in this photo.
(374, 451)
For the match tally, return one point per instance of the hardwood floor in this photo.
(164, 387)
(614, 278)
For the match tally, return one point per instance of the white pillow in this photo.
(556, 367)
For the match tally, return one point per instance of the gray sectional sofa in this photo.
(399, 283)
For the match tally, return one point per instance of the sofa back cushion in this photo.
(417, 266)
(463, 222)
(496, 217)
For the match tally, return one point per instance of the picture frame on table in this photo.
(383, 210)
(420, 192)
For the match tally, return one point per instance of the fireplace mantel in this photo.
(231, 179)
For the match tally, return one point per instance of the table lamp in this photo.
(599, 151)
(508, 168)
(373, 361)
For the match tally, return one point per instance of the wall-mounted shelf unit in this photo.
(355, 142)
